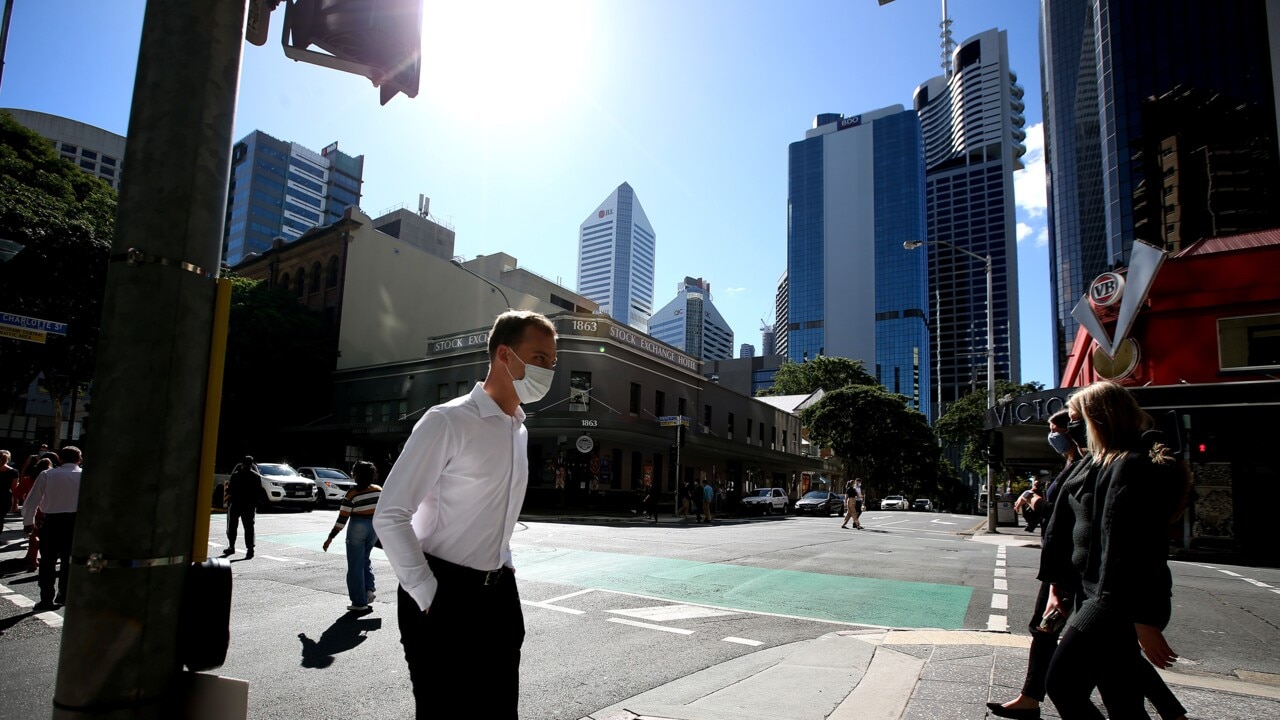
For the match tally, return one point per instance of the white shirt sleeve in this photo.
(34, 498)
(415, 475)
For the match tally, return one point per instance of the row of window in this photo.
(298, 282)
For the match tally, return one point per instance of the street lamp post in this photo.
(991, 364)
(492, 284)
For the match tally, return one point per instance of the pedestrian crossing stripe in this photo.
(668, 613)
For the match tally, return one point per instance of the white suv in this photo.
(766, 501)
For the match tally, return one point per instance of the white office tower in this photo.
(616, 248)
(691, 323)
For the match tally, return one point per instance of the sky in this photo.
(531, 114)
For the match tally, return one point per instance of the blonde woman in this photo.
(1112, 559)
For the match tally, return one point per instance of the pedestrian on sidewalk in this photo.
(684, 500)
(1107, 547)
(9, 480)
(356, 514)
(708, 494)
(651, 502)
(33, 537)
(445, 518)
(56, 493)
(695, 499)
(240, 494)
(1031, 504)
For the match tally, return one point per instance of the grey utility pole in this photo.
(136, 519)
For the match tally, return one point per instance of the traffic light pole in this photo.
(136, 519)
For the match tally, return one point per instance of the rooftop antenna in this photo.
(948, 45)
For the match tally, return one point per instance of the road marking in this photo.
(1002, 584)
(1256, 582)
(1000, 572)
(667, 613)
(50, 618)
(283, 560)
(1000, 563)
(743, 641)
(1276, 591)
(566, 597)
(942, 522)
(1227, 572)
(20, 600)
(4, 590)
(214, 544)
(998, 623)
(634, 623)
(761, 613)
(999, 601)
(545, 606)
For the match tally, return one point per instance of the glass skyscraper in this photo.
(616, 253)
(972, 124)
(281, 189)
(1160, 126)
(855, 195)
(691, 323)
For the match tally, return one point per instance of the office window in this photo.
(387, 409)
(706, 416)
(315, 278)
(1249, 342)
(784, 440)
(680, 407)
(635, 398)
(749, 423)
(773, 438)
(357, 412)
(762, 434)
(730, 426)
(331, 281)
(579, 391)
(442, 393)
(463, 388)
(659, 403)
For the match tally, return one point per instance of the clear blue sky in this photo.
(530, 114)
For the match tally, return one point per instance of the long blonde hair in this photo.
(1113, 419)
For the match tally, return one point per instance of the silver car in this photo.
(895, 502)
(331, 484)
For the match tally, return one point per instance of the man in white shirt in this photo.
(445, 518)
(56, 493)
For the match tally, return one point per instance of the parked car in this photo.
(818, 502)
(282, 486)
(924, 504)
(765, 501)
(331, 484)
(894, 502)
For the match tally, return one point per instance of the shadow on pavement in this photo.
(9, 622)
(346, 633)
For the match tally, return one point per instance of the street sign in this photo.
(33, 324)
(673, 420)
(35, 336)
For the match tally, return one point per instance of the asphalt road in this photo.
(614, 609)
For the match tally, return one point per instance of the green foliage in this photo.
(827, 373)
(66, 221)
(882, 440)
(962, 423)
(279, 360)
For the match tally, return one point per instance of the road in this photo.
(615, 608)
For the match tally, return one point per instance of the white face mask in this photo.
(535, 383)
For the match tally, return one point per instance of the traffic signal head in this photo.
(380, 39)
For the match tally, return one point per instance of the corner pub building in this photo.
(597, 437)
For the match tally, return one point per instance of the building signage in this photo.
(33, 324)
(35, 336)
(673, 420)
(603, 328)
(604, 213)
(1032, 408)
(459, 343)
(846, 123)
(1106, 289)
(585, 444)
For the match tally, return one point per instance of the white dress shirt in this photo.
(455, 492)
(56, 490)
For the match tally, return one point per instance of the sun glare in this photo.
(491, 62)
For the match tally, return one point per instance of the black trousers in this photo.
(237, 513)
(55, 554)
(1043, 645)
(467, 645)
(1106, 657)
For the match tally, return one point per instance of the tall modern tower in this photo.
(616, 250)
(691, 323)
(972, 122)
(780, 313)
(747, 350)
(281, 189)
(854, 196)
(1160, 126)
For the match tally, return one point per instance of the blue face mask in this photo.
(1059, 442)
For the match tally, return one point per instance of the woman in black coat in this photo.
(1106, 548)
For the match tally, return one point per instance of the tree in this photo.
(881, 438)
(962, 423)
(823, 372)
(280, 358)
(66, 220)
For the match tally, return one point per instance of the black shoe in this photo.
(248, 555)
(43, 605)
(60, 600)
(228, 552)
(1017, 714)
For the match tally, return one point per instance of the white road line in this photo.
(283, 560)
(1002, 584)
(214, 544)
(1000, 572)
(1000, 563)
(633, 623)
(50, 618)
(1275, 591)
(4, 590)
(668, 613)
(545, 606)
(20, 600)
(566, 597)
(743, 641)
(998, 623)
(1256, 582)
(1227, 572)
(844, 623)
(999, 601)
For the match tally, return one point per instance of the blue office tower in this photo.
(281, 189)
(855, 195)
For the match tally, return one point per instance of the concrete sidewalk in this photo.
(895, 675)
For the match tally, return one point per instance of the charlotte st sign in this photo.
(19, 327)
